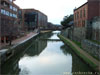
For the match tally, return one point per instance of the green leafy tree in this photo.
(66, 21)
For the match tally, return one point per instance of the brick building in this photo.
(86, 12)
(33, 19)
(9, 21)
(83, 17)
(93, 9)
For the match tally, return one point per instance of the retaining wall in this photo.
(17, 49)
(91, 47)
(79, 33)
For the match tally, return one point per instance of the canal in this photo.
(46, 57)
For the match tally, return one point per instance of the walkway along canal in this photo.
(46, 57)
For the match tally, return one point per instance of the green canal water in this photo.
(45, 57)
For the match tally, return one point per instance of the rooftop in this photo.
(80, 6)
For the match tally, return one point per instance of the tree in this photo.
(66, 20)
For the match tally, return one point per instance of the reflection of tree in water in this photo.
(66, 50)
(24, 71)
(78, 65)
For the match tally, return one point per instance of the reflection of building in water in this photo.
(41, 45)
(36, 48)
(12, 68)
(38, 45)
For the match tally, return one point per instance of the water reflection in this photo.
(35, 48)
(45, 58)
(50, 61)
(55, 35)
(77, 64)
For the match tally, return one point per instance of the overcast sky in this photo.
(54, 9)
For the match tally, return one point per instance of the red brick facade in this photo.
(81, 15)
(93, 9)
(86, 12)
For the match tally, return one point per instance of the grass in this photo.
(78, 53)
(78, 43)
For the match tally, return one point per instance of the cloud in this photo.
(54, 9)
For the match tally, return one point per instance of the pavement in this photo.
(18, 40)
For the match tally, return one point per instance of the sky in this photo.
(54, 9)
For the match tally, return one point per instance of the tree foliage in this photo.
(67, 20)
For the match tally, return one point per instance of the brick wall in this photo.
(93, 8)
(81, 15)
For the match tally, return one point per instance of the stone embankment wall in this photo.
(79, 33)
(92, 48)
(23, 45)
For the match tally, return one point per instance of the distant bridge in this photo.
(50, 39)
(52, 29)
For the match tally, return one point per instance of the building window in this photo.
(84, 12)
(74, 16)
(81, 14)
(2, 11)
(79, 23)
(14, 15)
(7, 13)
(83, 23)
(77, 15)
(11, 7)
(14, 9)
(11, 14)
